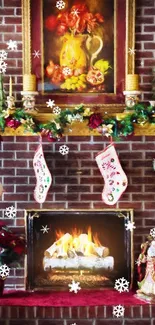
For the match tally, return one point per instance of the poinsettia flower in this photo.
(12, 123)
(95, 120)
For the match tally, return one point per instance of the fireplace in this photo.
(92, 247)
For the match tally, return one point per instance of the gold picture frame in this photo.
(71, 100)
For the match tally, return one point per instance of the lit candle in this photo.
(10, 87)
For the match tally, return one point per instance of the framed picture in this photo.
(92, 247)
(80, 51)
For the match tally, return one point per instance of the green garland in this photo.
(54, 129)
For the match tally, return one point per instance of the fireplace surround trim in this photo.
(31, 214)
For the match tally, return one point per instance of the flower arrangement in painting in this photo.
(12, 246)
(77, 20)
(77, 66)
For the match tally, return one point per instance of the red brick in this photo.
(146, 311)
(136, 312)
(24, 322)
(109, 322)
(65, 312)
(40, 312)
(13, 3)
(15, 197)
(138, 322)
(49, 322)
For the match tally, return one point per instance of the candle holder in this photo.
(29, 100)
(131, 97)
(152, 103)
(10, 102)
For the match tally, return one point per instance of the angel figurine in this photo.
(146, 258)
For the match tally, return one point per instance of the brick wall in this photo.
(69, 189)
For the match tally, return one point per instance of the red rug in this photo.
(67, 299)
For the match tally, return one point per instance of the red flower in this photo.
(95, 120)
(12, 123)
(51, 23)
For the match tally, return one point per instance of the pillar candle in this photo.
(132, 82)
(10, 87)
(29, 82)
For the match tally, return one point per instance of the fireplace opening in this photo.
(92, 247)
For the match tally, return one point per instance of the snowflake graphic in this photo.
(12, 45)
(45, 229)
(50, 103)
(138, 262)
(67, 71)
(152, 232)
(3, 66)
(4, 271)
(64, 150)
(132, 51)
(10, 212)
(60, 4)
(118, 311)
(57, 110)
(74, 324)
(3, 55)
(75, 12)
(130, 226)
(36, 54)
(121, 285)
(74, 286)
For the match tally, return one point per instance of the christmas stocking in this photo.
(114, 176)
(43, 176)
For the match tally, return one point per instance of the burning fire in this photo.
(77, 241)
(77, 250)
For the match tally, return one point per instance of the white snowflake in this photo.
(57, 110)
(3, 55)
(12, 45)
(10, 212)
(3, 66)
(118, 311)
(121, 285)
(130, 226)
(74, 286)
(138, 262)
(36, 54)
(152, 232)
(74, 324)
(45, 229)
(132, 51)
(4, 271)
(142, 63)
(50, 103)
(60, 4)
(75, 12)
(64, 150)
(66, 71)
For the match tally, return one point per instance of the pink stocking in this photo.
(113, 174)
(43, 176)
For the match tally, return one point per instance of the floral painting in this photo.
(78, 46)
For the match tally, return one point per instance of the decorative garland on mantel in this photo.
(107, 125)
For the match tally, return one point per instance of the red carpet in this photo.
(66, 299)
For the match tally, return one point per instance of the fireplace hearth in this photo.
(92, 247)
